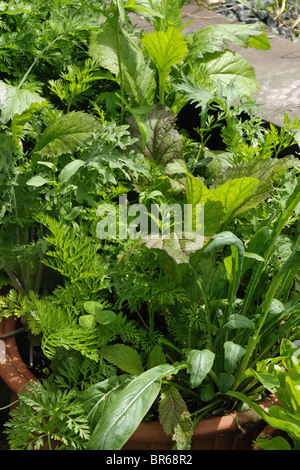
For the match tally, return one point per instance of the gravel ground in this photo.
(268, 12)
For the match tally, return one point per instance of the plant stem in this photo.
(206, 302)
(280, 225)
(12, 276)
(119, 61)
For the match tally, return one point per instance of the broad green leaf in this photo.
(226, 68)
(178, 245)
(87, 321)
(123, 416)
(222, 202)
(262, 169)
(138, 78)
(196, 191)
(225, 382)
(69, 170)
(93, 307)
(238, 321)
(145, 6)
(66, 134)
(214, 38)
(214, 214)
(254, 256)
(105, 317)
(14, 100)
(276, 443)
(164, 143)
(165, 49)
(164, 13)
(37, 181)
(234, 193)
(176, 167)
(124, 357)
(277, 417)
(199, 363)
(102, 316)
(268, 380)
(47, 164)
(175, 417)
(99, 396)
(259, 42)
(207, 392)
(223, 239)
(232, 354)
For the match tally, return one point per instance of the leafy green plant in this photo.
(47, 417)
(215, 358)
(281, 377)
(156, 327)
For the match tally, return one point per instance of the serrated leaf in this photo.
(175, 417)
(214, 38)
(124, 357)
(123, 416)
(66, 134)
(138, 78)
(196, 191)
(235, 193)
(222, 202)
(166, 48)
(178, 245)
(262, 169)
(14, 100)
(226, 68)
(164, 143)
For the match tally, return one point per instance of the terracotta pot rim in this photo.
(207, 426)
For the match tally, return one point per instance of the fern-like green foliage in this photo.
(47, 417)
(16, 304)
(60, 329)
(74, 254)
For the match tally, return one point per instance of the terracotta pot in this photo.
(13, 370)
(235, 431)
(269, 432)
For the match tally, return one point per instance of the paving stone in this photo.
(277, 70)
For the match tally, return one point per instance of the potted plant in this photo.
(157, 326)
(281, 375)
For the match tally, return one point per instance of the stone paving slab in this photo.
(277, 70)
